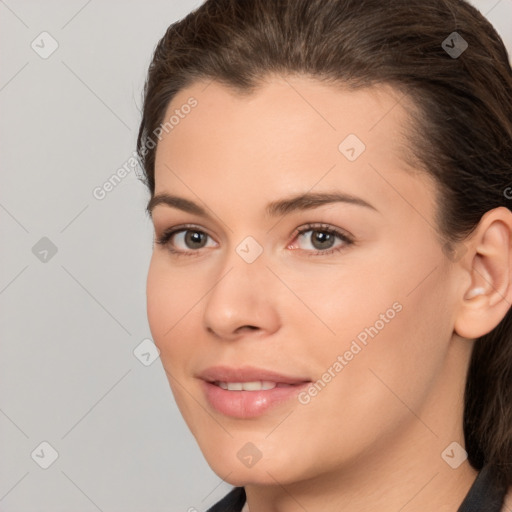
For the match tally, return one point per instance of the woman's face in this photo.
(348, 324)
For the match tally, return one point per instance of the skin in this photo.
(372, 438)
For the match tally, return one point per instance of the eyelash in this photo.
(166, 236)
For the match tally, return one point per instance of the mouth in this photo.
(248, 392)
(258, 385)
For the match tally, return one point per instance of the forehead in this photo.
(290, 134)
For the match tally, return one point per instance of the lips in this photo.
(248, 392)
(248, 374)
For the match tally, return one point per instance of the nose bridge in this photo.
(247, 259)
(241, 295)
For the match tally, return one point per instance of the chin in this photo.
(257, 475)
(240, 463)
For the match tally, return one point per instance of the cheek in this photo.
(338, 304)
(390, 324)
(397, 365)
(158, 300)
(170, 312)
(169, 302)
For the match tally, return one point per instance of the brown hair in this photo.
(462, 134)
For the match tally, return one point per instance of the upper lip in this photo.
(247, 374)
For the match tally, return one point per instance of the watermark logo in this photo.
(44, 250)
(454, 455)
(174, 120)
(44, 455)
(454, 253)
(146, 352)
(116, 178)
(352, 147)
(249, 249)
(132, 164)
(44, 45)
(249, 455)
(455, 45)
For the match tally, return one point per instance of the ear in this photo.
(488, 265)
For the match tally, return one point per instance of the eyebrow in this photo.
(276, 208)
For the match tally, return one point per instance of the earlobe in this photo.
(488, 297)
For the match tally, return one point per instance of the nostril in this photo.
(251, 327)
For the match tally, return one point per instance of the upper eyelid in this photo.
(304, 227)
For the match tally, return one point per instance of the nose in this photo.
(243, 300)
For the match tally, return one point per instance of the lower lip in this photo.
(249, 404)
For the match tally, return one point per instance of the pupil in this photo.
(194, 237)
(322, 237)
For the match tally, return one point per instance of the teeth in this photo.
(258, 385)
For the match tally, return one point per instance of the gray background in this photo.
(71, 320)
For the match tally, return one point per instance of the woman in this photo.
(330, 289)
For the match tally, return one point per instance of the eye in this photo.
(190, 238)
(321, 239)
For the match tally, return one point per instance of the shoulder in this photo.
(232, 502)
